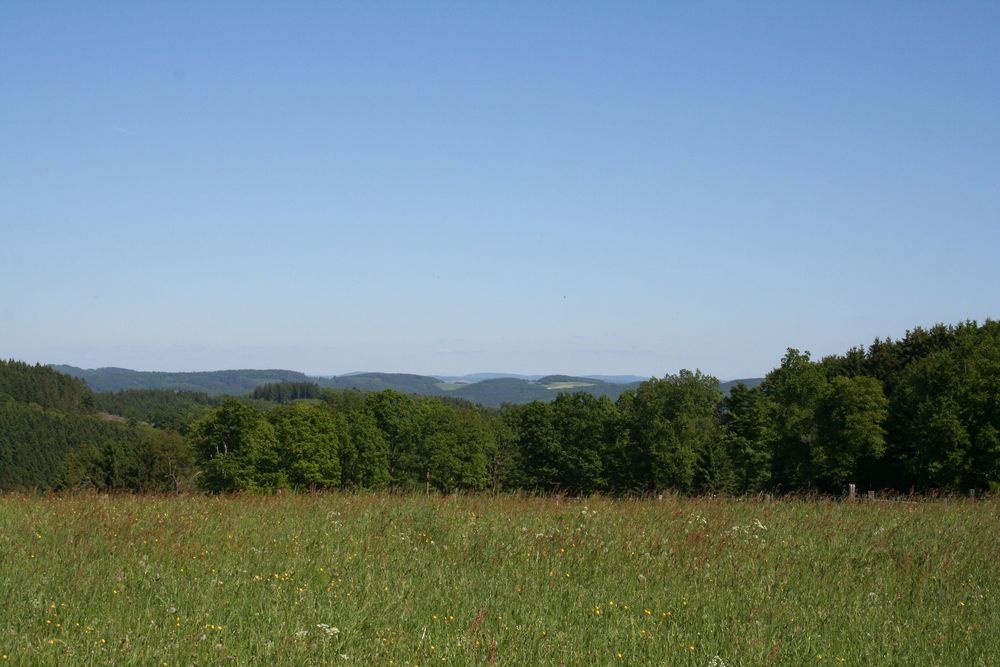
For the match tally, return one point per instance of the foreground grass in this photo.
(330, 579)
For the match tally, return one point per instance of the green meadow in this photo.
(327, 579)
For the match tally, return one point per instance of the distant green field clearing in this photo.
(451, 386)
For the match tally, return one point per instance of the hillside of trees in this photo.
(234, 382)
(919, 414)
(52, 436)
(491, 392)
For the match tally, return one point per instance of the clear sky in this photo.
(441, 187)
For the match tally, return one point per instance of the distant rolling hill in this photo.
(493, 391)
(496, 392)
(236, 382)
(727, 386)
(403, 382)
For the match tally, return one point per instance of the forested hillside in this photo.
(492, 392)
(235, 382)
(42, 386)
(52, 436)
(163, 408)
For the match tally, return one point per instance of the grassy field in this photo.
(388, 580)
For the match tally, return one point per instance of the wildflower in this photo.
(329, 630)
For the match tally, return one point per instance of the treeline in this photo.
(163, 408)
(284, 392)
(24, 383)
(917, 414)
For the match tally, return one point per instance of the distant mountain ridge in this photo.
(491, 389)
(236, 382)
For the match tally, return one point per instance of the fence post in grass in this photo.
(852, 491)
(871, 495)
(427, 487)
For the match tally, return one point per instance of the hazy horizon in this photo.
(442, 188)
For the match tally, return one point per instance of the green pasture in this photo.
(332, 579)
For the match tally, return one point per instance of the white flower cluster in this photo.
(329, 630)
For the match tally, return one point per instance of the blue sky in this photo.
(456, 187)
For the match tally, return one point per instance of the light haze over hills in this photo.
(494, 389)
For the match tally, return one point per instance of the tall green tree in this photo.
(585, 425)
(945, 414)
(539, 447)
(669, 425)
(749, 433)
(851, 436)
(397, 418)
(455, 446)
(237, 449)
(364, 453)
(308, 446)
(794, 390)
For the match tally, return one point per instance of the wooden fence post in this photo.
(852, 491)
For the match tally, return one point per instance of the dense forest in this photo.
(53, 436)
(921, 414)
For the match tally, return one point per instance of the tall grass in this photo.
(331, 579)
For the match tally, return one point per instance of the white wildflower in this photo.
(329, 630)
